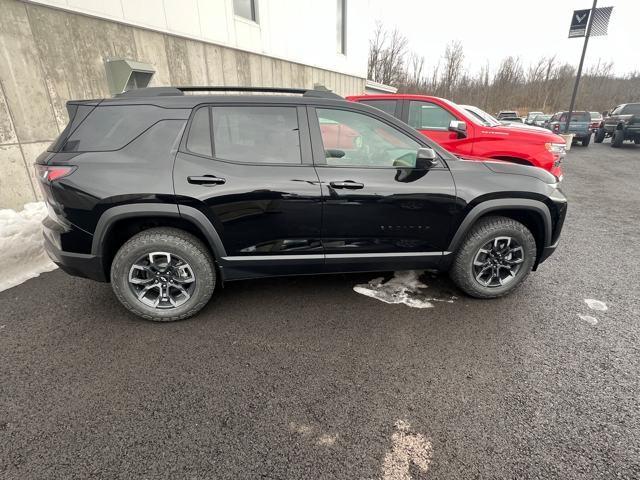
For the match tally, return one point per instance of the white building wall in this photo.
(302, 31)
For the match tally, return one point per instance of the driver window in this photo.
(354, 139)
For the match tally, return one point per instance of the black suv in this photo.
(622, 124)
(167, 194)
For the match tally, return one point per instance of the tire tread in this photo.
(173, 237)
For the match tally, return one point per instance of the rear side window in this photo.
(112, 127)
(387, 106)
(256, 134)
(199, 140)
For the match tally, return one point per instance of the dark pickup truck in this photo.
(622, 124)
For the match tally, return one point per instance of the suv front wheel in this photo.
(495, 257)
(163, 274)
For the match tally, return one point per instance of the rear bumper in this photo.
(77, 264)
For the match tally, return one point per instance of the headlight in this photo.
(559, 148)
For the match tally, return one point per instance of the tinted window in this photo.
(199, 140)
(576, 117)
(112, 127)
(387, 106)
(77, 113)
(426, 115)
(355, 139)
(631, 109)
(256, 134)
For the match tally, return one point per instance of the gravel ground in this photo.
(305, 378)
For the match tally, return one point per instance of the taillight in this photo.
(51, 173)
(556, 127)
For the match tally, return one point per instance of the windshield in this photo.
(541, 118)
(481, 116)
(595, 115)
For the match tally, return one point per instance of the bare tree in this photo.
(387, 56)
(452, 71)
(544, 85)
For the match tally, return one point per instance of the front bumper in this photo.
(76, 264)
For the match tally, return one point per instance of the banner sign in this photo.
(599, 24)
(579, 23)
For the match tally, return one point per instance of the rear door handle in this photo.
(349, 184)
(206, 180)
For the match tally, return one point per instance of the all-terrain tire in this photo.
(176, 242)
(486, 229)
(617, 139)
(585, 141)
(636, 140)
(599, 136)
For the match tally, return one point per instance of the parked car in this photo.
(507, 120)
(596, 119)
(541, 120)
(474, 132)
(506, 113)
(531, 117)
(167, 195)
(623, 124)
(580, 126)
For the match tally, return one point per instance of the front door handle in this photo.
(349, 184)
(206, 180)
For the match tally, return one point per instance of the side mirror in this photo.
(459, 127)
(426, 158)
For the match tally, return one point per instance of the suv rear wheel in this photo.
(495, 257)
(163, 274)
(599, 136)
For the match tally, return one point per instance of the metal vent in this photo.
(124, 75)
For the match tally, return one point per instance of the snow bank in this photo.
(405, 287)
(22, 254)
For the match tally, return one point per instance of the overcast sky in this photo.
(493, 29)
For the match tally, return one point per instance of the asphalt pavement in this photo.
(303, 378)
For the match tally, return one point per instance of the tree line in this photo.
(544, 85)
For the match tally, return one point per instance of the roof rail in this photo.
(319, 91)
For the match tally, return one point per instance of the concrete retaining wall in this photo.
(49, 56)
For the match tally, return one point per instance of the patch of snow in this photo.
(405, 287)
(407, 449)
(596, 304)
(589, 319)
(22, 254)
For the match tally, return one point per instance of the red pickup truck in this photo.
(470, 132)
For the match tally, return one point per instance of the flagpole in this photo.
(584, 50)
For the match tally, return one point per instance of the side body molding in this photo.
(120, 212)
(501, 204)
